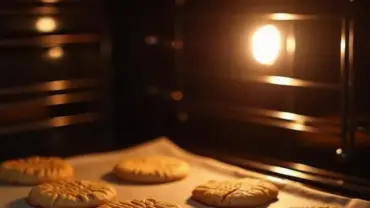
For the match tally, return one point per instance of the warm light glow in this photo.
(285, 171)
(55, 52)
(339, 151)
(290, 44)
(58, 99)
(342, 45)
(177, 95)
(280, 80)
(276, 180)
(282, 16)
(266, 44)
(287, 116)
(297, 127)
(60, 121)
(299, 120)
(46, 24)
(57, 85)
(49, 1)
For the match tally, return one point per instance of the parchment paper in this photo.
(99, 166)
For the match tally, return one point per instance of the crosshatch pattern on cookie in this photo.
(80, 193)
(146, 203)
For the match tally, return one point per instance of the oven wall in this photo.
(212, 77)
(54, 77)
(226, 109)
(143, 60)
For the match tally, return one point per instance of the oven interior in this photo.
(93, 76)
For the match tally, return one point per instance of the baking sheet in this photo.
(99, 166)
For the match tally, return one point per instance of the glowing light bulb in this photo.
(266, 44)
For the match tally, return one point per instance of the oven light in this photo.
(266, 44)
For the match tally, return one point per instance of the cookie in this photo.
(35, 170)
(235, 193)
(152, 169)
(71, 193)
(146, 203)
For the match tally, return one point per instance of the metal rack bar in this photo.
(59, 99)
(60, 121)
(273, 80)
(269, 16)
(51, 40)
(51, 86)
(345, 87)
(288, 81)
(281, 119)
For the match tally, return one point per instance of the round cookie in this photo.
(236, 193)
(146, 203)
(70, 194)
(152, 169)
(35, 170)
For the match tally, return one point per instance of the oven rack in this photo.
(344, 11)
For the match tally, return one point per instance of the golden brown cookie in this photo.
(152, 169)
(35, 170)
(146, 203)
(70, 194)
(236, 193)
